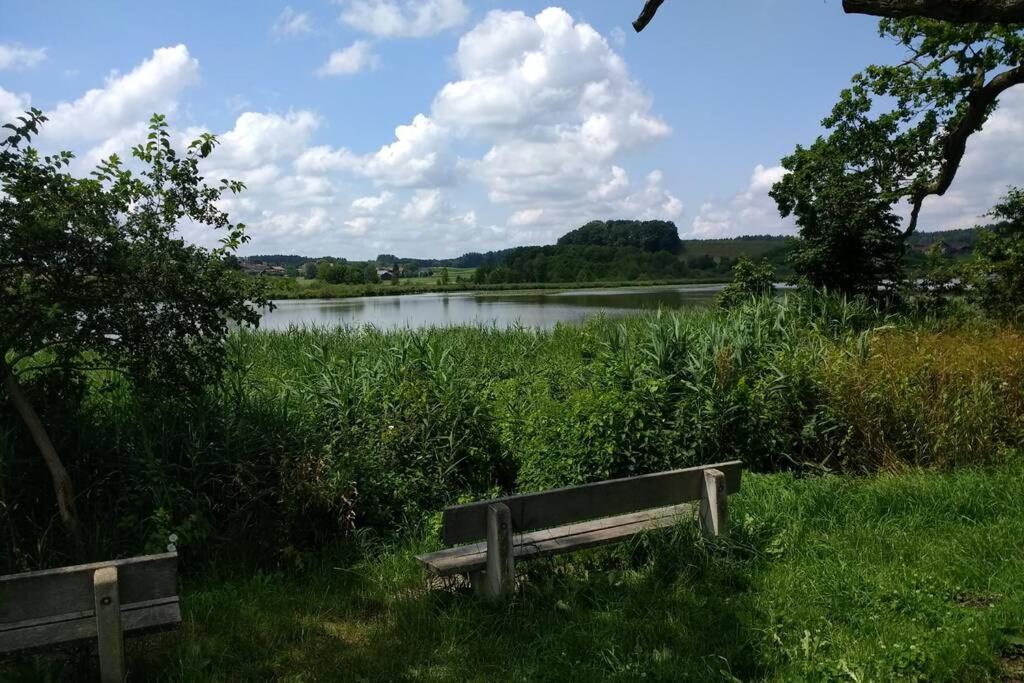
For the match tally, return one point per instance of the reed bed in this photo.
(314, 434)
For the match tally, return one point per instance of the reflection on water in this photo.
(530, 309)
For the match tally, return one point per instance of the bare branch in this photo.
(647, 14)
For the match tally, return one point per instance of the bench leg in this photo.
(478, 580)
(714, 509)
(108, 625)
(498, 581)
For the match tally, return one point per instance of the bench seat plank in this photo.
(562, 539)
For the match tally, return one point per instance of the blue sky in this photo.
(520, 120)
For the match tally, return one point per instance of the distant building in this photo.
(385, 274)
(261, 268)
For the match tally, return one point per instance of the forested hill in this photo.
(651, 236)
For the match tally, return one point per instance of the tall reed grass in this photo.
(319, 432)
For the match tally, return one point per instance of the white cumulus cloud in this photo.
(529, 139)
(359, 56)
(124, 100)
(292, 23)
(371, 204)
(553, 105)
(259, 138)
(526, 217)
(750, 212)
(404, 18)
(14, 56)
(12, 105)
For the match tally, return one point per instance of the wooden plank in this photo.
(453, 554)
(135, 618)
(471, 558)
(33, 595)
(109, 638)
(556, 546)
(530, 511)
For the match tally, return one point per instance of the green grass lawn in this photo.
(916, 577)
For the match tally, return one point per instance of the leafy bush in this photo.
(998, 272)
(749, 279)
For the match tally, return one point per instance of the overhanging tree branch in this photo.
(955, 144)
(956, 11)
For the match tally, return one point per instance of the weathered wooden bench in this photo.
(488, 537)
(102, 601)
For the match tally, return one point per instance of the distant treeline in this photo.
(619, 250)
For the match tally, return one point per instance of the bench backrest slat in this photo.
(65, 590)
(531, 511)
(82, 626)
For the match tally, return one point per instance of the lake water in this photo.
(542, 309)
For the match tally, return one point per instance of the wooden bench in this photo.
(488, 537)
(102, 601)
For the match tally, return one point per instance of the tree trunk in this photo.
(956, 11)
(61, 481)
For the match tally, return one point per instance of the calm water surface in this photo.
(542, 309)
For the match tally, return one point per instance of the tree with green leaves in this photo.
(897, 135)
(997, 274)
(850, 240)
(93, 274)
(749, 280)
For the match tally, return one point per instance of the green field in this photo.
(453, 274)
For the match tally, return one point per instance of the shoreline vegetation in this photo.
(370, 429)
(290, 290)
(597, 255)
